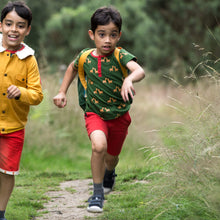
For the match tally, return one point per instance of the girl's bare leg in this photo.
(6, 187)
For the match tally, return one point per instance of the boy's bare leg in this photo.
(109, 177)
(99, 146)
(6, 187)
(111, 161)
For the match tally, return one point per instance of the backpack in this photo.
(82, 83)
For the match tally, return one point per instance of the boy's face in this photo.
(14, 29)
(106, 38)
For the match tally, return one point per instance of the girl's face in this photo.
(14, 29)
(106, 38)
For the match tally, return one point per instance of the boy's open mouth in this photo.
(12, 37)
(107, 47)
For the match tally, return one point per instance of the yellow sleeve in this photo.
(32, 94)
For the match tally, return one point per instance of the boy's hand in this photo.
(13, 92)
(60, 100)
(127, 89)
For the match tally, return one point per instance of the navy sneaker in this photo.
(95, 203)
(109, 182)
(3, 219)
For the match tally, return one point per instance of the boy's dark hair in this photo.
(21, 9)
(105, 15)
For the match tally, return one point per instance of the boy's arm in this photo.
(136, 75)
(60, 99)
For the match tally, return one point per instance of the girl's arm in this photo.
(60, 99)
(29, 90)
(136, 75)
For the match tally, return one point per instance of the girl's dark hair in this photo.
(21, 9)
(105, 15)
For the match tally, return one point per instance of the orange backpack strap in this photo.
(123, 69)
(81, 72)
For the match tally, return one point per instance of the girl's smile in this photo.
(14, 29)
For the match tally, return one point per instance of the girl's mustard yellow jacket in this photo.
(18, 68)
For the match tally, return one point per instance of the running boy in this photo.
(108, 99)
(20, 87)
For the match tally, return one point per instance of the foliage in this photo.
(179, 24)
(191, 158)
(158, 32)
(165, 29)
(189, 153)
(62, 29)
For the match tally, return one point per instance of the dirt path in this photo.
(69, 202)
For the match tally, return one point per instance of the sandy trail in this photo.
(69, 202)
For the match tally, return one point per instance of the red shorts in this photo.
(11, 146)
(115, 130)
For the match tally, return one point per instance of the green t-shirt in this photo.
(104, 80)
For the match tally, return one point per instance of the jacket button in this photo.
(3, 94)
(3, 129)
(3, 112)
(5, 74)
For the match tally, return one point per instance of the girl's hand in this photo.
(60, 100)
(13, 92)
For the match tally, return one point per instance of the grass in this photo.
(168, 169)
(182, 169)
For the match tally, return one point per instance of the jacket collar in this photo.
(22, 54)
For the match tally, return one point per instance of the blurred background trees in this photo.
(163, 34)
